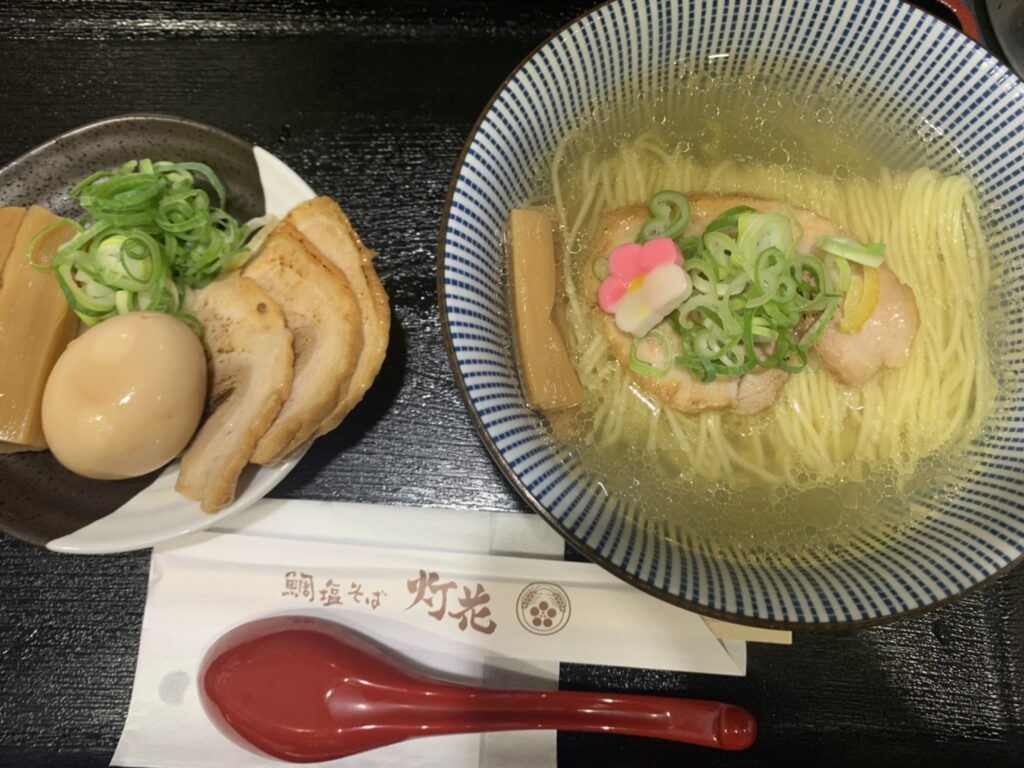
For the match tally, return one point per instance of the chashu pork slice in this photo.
(249, 350)
(884, 341)
(323, 316)
(326, 227)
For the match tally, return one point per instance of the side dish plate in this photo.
(40, 501)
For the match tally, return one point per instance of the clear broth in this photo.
(714, 117)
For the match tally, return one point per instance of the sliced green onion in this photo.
(839, 273)
(771, 278)
(702, 274)
(670, 214)
(810, 338)
(757, 232)
(778, 353)
(809, 278)
(700, 366)
(728, 219)
(599, 268)
(147, 235)
(690, 246)
(720, 247)
(734, 287)
(871, 255)
(796, 365)
(651, 355)
(756, 301)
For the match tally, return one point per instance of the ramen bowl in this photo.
(906, 68)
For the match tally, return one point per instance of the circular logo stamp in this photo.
(543, 608)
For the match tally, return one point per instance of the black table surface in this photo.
(371, 102)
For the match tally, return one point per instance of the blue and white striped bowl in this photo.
(907, 63)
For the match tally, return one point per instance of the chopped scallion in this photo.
(752, 292)
(147, 235)
(871, 255)
(670, 215)
(651, 355)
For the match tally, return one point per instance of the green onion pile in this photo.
(751, 292)
(148, 234)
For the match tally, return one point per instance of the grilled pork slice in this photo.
(249, 350)
(883, 342)
(759, 389)
(324, 319)
(326, 227)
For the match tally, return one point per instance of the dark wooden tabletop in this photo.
(371, 102)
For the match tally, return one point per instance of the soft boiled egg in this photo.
(125, 397)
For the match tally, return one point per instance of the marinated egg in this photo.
(125, 397)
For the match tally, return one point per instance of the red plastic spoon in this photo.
(310, 690)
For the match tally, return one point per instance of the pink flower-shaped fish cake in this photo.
(645, 283)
